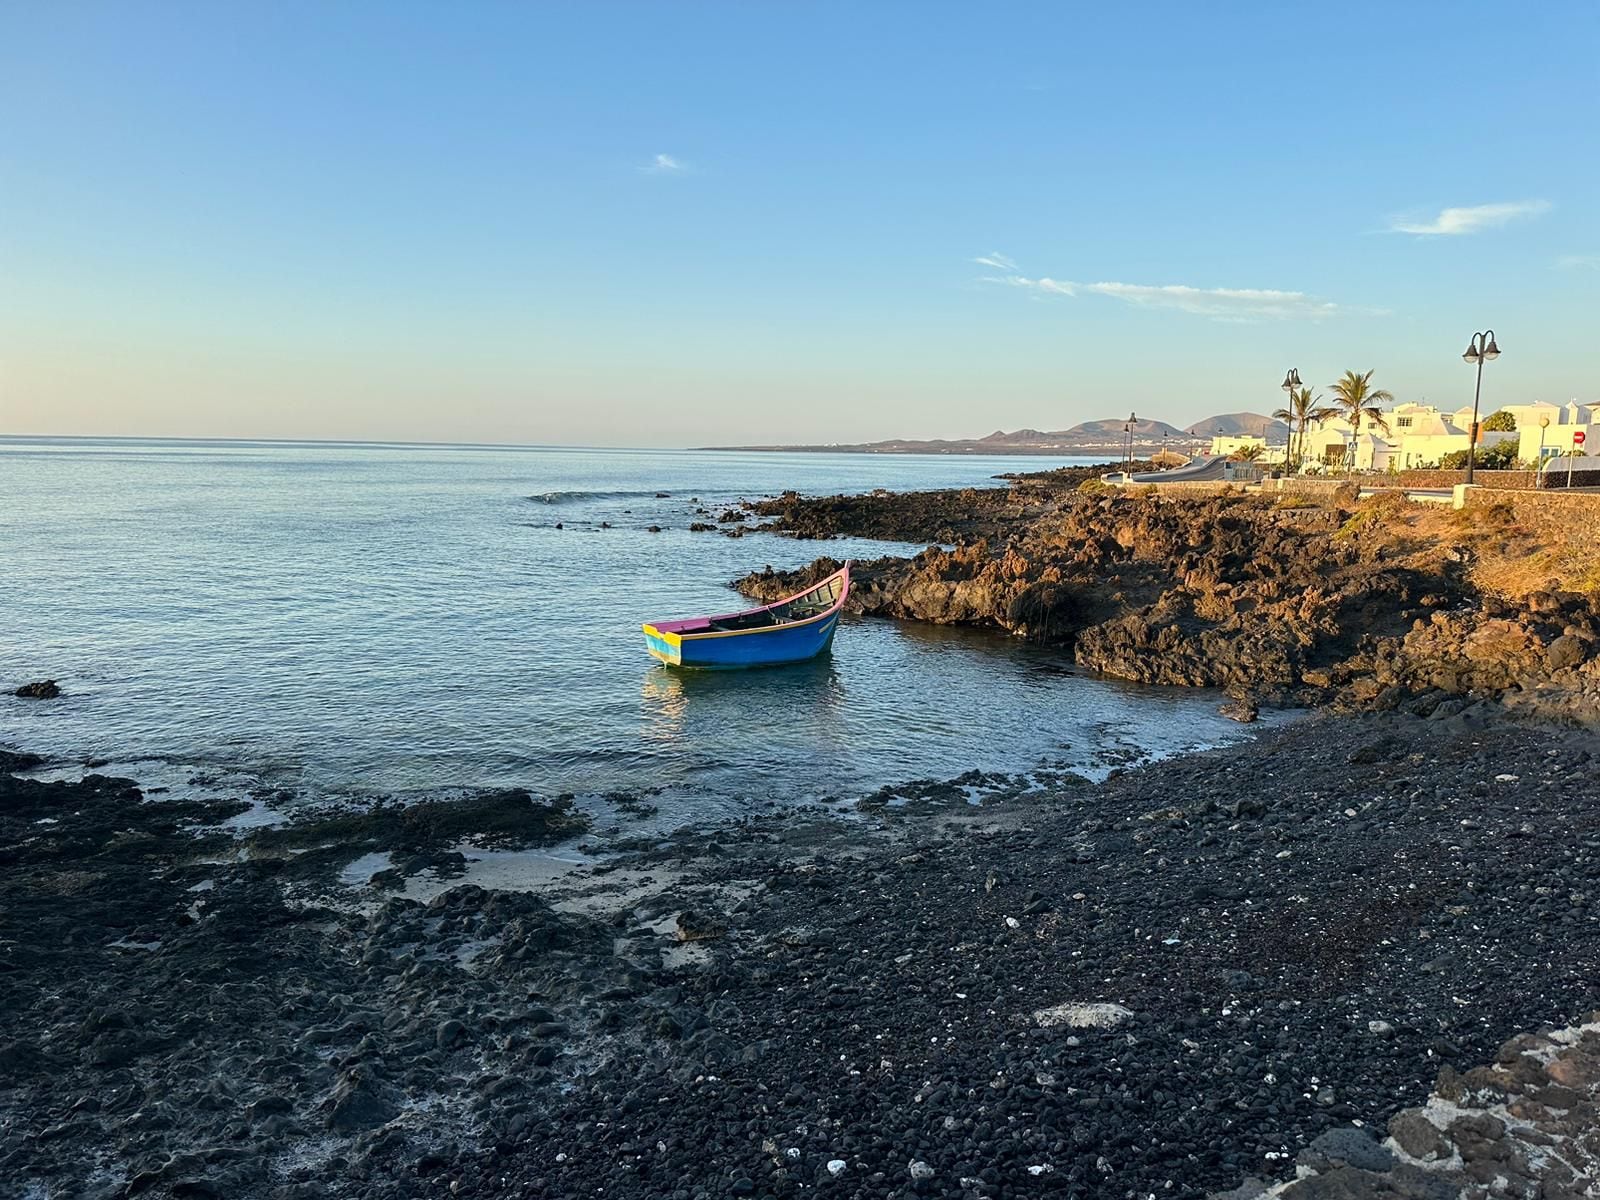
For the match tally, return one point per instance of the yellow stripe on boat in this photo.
(673, 654)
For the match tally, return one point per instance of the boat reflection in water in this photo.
(698, 709)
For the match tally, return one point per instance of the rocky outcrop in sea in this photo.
(1290, 603)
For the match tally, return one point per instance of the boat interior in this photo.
(803, 607)
(807, 604)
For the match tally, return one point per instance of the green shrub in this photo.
(1502, 456)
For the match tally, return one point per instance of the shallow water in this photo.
(387, 619)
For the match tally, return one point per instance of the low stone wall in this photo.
(1555, 481)
(1190, 487)
(1523, 1127)
(1303, 485)
(1502, 480)
(1550, 511)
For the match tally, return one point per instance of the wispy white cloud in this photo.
(996, 260)
(1047, 286)
(1227, 303)
(665, 164)
(1452, 222)
(1579, 262)
(1221, 304)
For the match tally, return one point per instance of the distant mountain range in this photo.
(1108, 436)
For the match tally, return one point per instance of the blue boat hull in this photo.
(760, 648)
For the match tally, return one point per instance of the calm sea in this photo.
(338, 618)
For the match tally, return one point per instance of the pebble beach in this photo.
(1165, 984)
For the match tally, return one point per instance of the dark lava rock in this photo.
(42, 689)
(694, 927)
(358, 1103)
(1352, 1147)
(1418, 1137)
(1566, 651)
(12, 761)
(1240, 709)
(510, 817)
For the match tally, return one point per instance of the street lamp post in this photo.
(1127, 433)
(1479, 350)
(1291, 381)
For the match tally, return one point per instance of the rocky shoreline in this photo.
(1163, 984)
(1317, 602)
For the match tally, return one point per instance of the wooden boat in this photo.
(790, 630)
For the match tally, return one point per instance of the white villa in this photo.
(1419, 435)
(1546, 430)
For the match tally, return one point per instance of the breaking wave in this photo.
(577, 497)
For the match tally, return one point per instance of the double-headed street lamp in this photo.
(1479, 350)
(1127, 432)
(1291, 381)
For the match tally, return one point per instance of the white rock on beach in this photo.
(1082, 1016)
(836, 1166)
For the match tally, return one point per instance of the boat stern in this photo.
(664, 644)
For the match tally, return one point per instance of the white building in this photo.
(1420, 435)
(1328, 444)
(1226, 445)
(1413, 435)
(1547, 430)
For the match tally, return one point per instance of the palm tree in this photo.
(1355, 398)
(1248, 453)
(1303, 409)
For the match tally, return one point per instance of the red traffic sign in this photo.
(1578, 436)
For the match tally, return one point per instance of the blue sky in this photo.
(657, 224)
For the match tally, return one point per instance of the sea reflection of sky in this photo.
(702, 708)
